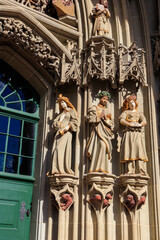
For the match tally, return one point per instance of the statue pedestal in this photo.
(134, 190)
(99, 197)
(62, 180)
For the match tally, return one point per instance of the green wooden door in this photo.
(15, 209)
(19, 110)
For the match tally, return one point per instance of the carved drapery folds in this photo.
(100, 60)
(132, 64)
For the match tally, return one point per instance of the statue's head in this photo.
(104, 3)
(130, 103)
(103, 97)
(64, 102)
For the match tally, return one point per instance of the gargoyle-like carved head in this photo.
(130, 202)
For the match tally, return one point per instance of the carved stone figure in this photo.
(141, 201)
(101, 14)
(133, 152)
(99, 147)
(66, 201)
(130, 202)
(64, 124)
(106, 200)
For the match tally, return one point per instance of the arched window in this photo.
(19, 111)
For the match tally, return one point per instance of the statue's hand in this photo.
(135, 124)
(65, 129)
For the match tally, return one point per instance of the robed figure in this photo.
(99, 147)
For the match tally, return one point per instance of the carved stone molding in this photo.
(62, 179)
(100, 60)
(132, 64)
(156, 56)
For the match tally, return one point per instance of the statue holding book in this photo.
(101, 14)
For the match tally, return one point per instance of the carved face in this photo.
(103, 100)
(104, 3)
(63, 104)
(132, 105)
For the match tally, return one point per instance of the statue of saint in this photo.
(99, 147)
(101, 15)
(64, 124)
(133, 152)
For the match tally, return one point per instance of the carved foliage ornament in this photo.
(24, 37)
(39, 5)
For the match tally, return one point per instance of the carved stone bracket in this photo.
(99, 196)
(132, 64)
(100, 59)
(133, 196)
(61, 187)
(156, 45)
(100, 192)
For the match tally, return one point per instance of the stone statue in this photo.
(99, 147)
(101, 15)
(64, 124)
(66, 201)
(133, 151)
(130, 202)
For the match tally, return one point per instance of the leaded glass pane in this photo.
(15, 127)
(13, 145)
(3, 124)
(2, 142)
(11, 164)
(1, 161)
(29, 130)
(27, 147)
(26, 166)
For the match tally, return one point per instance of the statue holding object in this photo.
(101, 14)
(99, 147)
(133, 151)
(64, 124)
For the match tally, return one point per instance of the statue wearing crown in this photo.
(64, 125)
(99, 147)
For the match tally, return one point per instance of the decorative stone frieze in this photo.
(100, 60)
(39, 5)
(133, 197)
(132, 64)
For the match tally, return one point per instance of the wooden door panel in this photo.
(14, 222)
